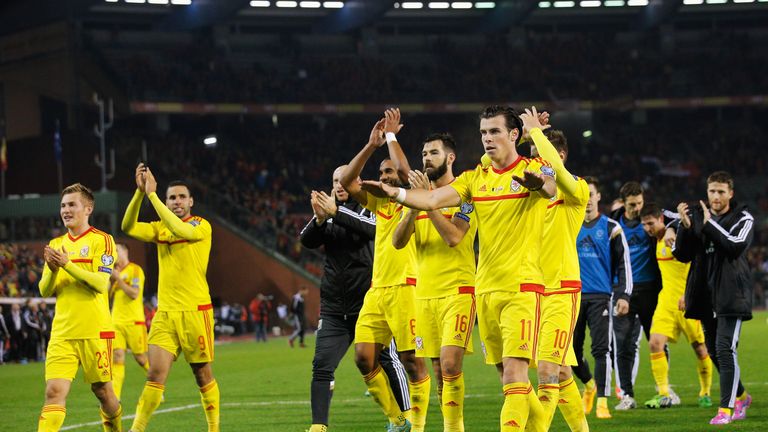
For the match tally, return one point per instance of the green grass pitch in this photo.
(265, 388)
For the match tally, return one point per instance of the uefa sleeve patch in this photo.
(467, 208)
(107, 259)
(548, 171)
(462, 216)
(106, 270)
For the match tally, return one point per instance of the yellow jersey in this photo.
(81, 311)
(510, 221)
(444, 270)
(126, 310)
(674, 275)
(182, 264)
(391, 266)
(562, 223)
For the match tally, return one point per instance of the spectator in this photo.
(18, 333)
(5, 336)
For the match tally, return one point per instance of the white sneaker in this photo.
(627, 403)
(675, 398)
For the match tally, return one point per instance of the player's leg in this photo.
(659, 369)
(582, 370)
(302, 330)
(600, 321)
(625, 331)
(516, 315)
(118, 361)
(54, 410)
(111, 411)
(372, 332)
(96, 358)
(164, 346)
(334, 336)
(453, 335)
(695, 335)
(209, 394)
(195, 332)
(570, 403)
(400, 312)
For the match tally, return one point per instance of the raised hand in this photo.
(150, 184)
(379, 189)
(685, 219)
(140, 180)
(532, 119)
(418, 180)
(531, 180)
(392, 120)
(377, 134)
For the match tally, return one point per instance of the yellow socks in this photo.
(549, 396)
(514, 412)
(538, 421)
(378, 386)
(452, 403)
(209, 396)
(148, 402)
(704, 367)
(118, 377)
(112, 423)
(318, 428)
(660, 371)
(51, 418)
(743, 396)
(590, 385)
(419, 402)
(571, 407)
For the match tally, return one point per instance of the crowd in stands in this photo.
(540, 66)
(24, 331)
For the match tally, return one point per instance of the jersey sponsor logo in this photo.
(451, 404)
(467, 208)
(524, 347)
(458, 337)
(135, 281)
(105, 270)
(84, 251)
(483, 188)
(562, 402)
(497, 189)
(544, 398)
(462, 216)
(637, 240)
(605, 312)
(107, 259)
(556, 354)
(547, 171)
(600, 234)
(514, 186)
(512, 423)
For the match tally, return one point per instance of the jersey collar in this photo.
(74, 239)
(511, 166)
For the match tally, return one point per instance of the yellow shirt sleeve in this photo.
(178, 227)
(463, 185)
(131, 225)
(373, 203)
(566, 182)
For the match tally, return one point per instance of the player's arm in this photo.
(445, 196)
(734, 241)
(178, 227)
(451, 230)
(131, 290)
(621, 264)
(48, 279)
(392, 126)
(567, 183)
(355, 167)
(131, 225)
(405, 229)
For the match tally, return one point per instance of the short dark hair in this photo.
(630, 188)
(721, 177)
(448, 142)
(82, 190)
(651, 209)
(593, 181)
(558, 139)
(125, 245)
(511, 118)
(179, 183)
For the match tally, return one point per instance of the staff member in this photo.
(347, 231)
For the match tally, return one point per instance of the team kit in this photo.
(516, 246)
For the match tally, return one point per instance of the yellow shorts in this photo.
(445, 321)
(507, 327)
(65, 355)
(669, 321)
(388, 312)
(557, 315)
(190, 332)
(132, 336)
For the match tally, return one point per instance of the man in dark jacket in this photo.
(718, 291)
(347, 231)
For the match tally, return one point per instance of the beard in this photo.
(435, 173)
